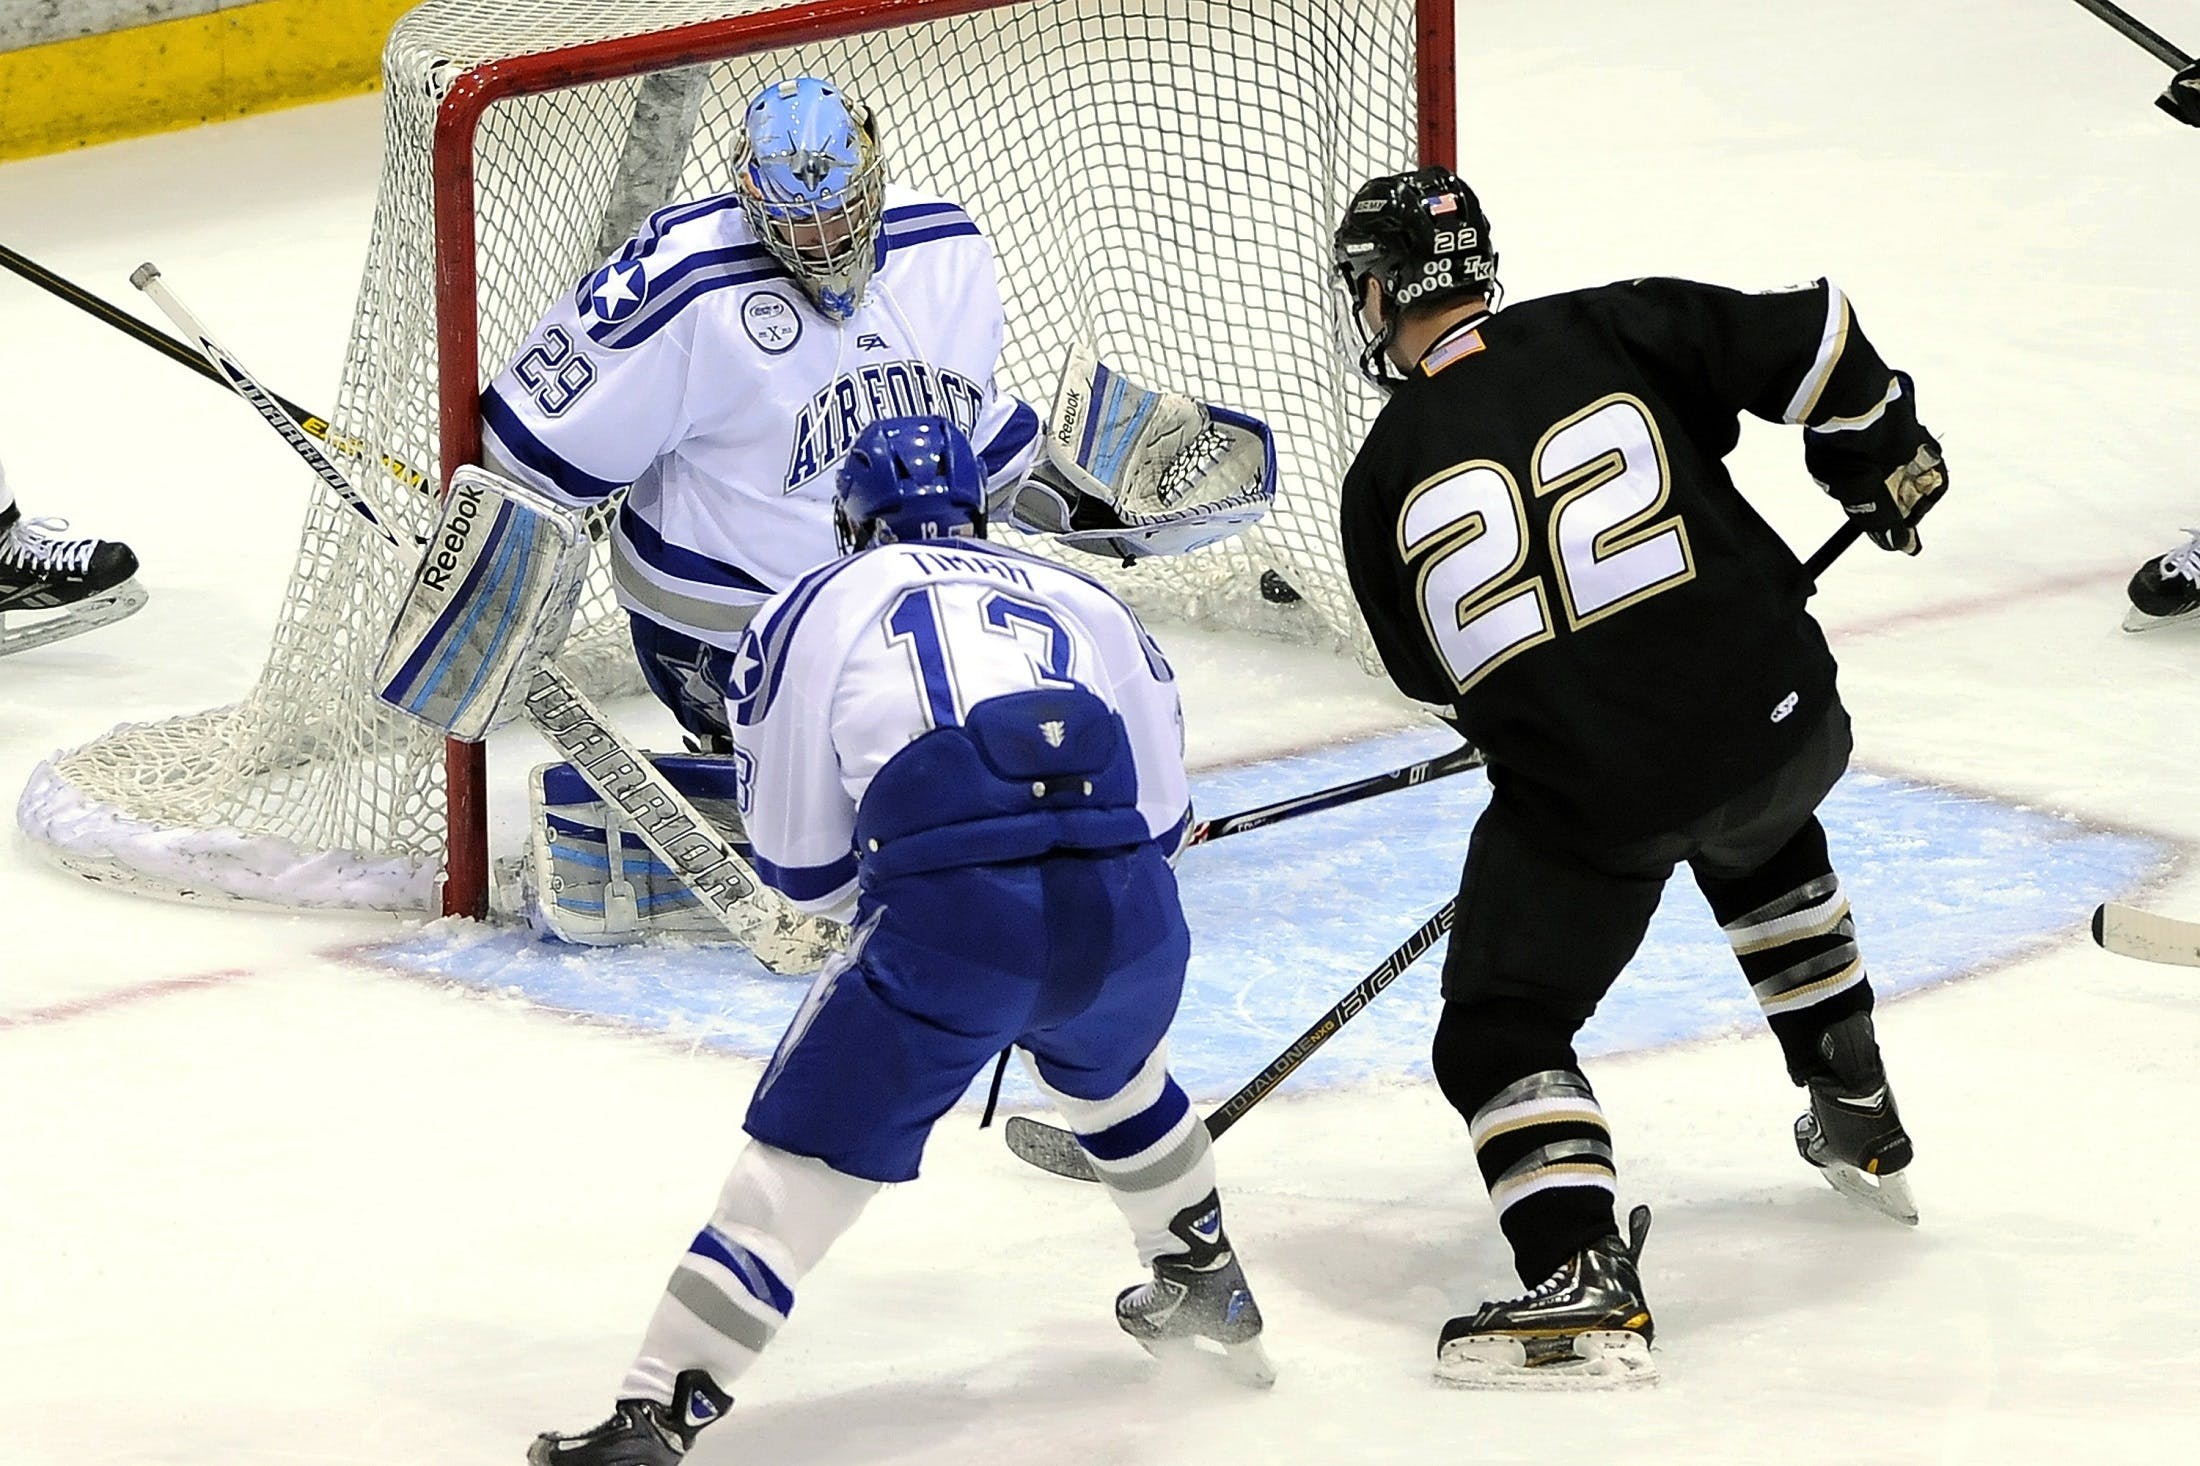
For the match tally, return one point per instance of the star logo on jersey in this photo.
(746, 673)
(618, 290)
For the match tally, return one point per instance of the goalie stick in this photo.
(2129, 932)
(675, 833)
(1051, 1148)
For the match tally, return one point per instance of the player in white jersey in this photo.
(981, 753)
(723, 361)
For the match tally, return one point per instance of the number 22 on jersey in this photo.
(1468, 530)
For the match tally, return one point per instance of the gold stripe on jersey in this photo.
(1831, 342)
(1863, 419)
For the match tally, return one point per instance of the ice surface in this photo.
(264, 1198)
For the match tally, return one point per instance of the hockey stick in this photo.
(176, 351)
(2129, 932)
(2138, 32)
(2181, 98)
(237, 379)
(1822, 558)
(1051, 1148)
(690, 845)
(1457, 761)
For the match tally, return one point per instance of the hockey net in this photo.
(1158, 178)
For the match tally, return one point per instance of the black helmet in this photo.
(1423, 235)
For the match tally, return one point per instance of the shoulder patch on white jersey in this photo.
(615, 292)
(630, 300)
(772, 321)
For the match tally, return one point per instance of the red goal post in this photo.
(1158, 177)
(465, 889)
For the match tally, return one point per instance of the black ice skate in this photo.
(1852, 1133)
(2166, 590)
(51, 588)
(640, 1432)
(1198, 1294)
(1585, 1326)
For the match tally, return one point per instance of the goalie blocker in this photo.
(1127, 472)
(493, 597)
(490, 603)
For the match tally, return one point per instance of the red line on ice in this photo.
(1988, 601)
(120, 997)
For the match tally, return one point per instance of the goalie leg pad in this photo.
(596, 882)
(492, 598)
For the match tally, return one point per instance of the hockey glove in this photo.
(2181, 98)
(1890, 507)
(1128, 472)
(1850, 459)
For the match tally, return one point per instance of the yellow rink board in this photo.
(201, 68)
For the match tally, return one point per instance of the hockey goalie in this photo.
(714, 372)
(624, 845)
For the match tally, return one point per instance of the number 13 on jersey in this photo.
(1469, 530)
(916, 623)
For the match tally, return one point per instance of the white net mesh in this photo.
(1158, 177)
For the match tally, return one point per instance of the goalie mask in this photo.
(908, 478)
(1423, 238)
(812, 179)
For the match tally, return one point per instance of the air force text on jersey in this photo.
(693, 368)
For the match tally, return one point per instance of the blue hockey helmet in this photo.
(908, 478)
(812, 179)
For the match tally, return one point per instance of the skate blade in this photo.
(2138, 620)
(1888, 1195)
(1604, 1359)
(1245, 1363)
(113, 605)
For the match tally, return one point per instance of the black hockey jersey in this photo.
(1542, 534)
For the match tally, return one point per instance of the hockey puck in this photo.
(1275, 588)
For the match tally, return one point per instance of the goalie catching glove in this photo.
(1127, 472)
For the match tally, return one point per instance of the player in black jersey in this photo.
(1543, 537)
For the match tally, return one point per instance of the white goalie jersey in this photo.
(693, 368)
(847, 667)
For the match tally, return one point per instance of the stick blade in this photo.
(1049, 1147)
(2130, 932)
